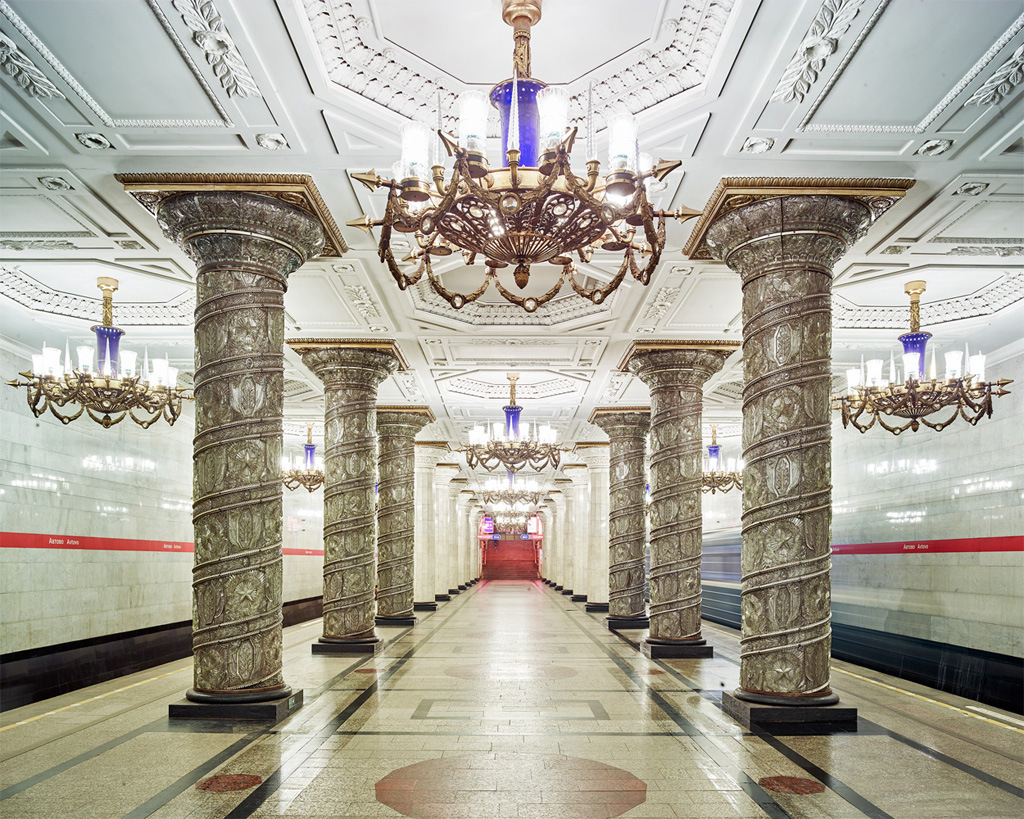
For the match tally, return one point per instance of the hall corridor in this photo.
(509, 701)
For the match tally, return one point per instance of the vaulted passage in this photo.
(510, 560)
(507, 701)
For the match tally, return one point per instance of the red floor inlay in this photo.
(437, 787)
(229, 782)
(510, 671)
(790, 784)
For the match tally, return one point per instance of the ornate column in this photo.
(675, 372)
(596, 457)
(463, 507)
(549, 569)
(351, 372)
(244, 247)
(627, 429)
(428, 453)
(565, 502)
(396, 511)
(458, 529)
(580, 513)
(784, 247)
(473, 540)
(443, 537)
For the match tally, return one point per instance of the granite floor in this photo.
(508, 701)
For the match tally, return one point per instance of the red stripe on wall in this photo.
(1014, 543)
(30, 540)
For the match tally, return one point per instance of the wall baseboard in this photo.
(994, 679)
(39, 673)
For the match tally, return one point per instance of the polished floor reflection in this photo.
(509, 701)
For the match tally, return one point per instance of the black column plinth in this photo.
(818, 715)
(595, 608)
(558, 587)
(656, 647)
(578, 598)
(442, 598)
(386, 620)
(337, 645)
(453, 591)
(431, 606)
(567, 592)
(463, 587)
(199, 705)
(617, 623)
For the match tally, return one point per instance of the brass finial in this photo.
(512, 378)
(521, 14)
(914, 289)
(107, 286)
(309, 433)
(714, 434)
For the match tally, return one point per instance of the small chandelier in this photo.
(715, 478)
(533, 209)
(512, 523)
(523, 493)
(106, 384)
(512, 447)
(963, 390)
(307, 471)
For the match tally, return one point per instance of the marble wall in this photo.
(119, 484)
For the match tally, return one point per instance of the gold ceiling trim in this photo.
(295, 189)
(435, 444)
(589, 445)
(599, 411)
(645, 345)
(387, 345)
(734, 192)
(411, 410)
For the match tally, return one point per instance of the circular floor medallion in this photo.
(439, 787)
(791, 784)
(229, 782)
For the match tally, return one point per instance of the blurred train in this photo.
(720, 576)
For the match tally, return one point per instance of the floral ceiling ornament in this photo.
(24, 72)
(211, 35)
(1002, 83)
(934, 147)
(821, 41)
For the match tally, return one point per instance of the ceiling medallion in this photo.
(963, 389)
(512, 447)
(106, 384)
(715, 478)
(533, 210)
(307, 471)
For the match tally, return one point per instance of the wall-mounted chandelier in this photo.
(306, 470)
(512, 445)
(914, 396)
(532, 210)
(720, 475)
(106, 384)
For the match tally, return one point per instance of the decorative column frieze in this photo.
(675, 373)
(244, 247)
(351, 371)
(783, 239)
(396, 511)
(443, 537)
(580, 496)
(428, 453)
(627, 429)
(596, 456)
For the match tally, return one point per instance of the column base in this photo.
(784, 715)
(442, 598)
(431, 606)
(578, 598)
(658, 647)
(618, 623)
(463, 586)
(199, 705)
(558, 587)
(342, 645)
(567, 592)
(395, 620)
(596, 608)
(453, 591)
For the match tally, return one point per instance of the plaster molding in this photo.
(474, 388)
(211, 35)
(1001, 84)
(24, 72)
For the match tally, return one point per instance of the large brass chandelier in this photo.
(106, 384)
(719, 475)
(533, 209)
(307, 471)
(912, 396)
(512, 446)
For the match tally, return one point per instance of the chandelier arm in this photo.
(598, 294)
(536, 302)
(656, 239)
(457, 300)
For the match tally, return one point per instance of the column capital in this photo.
(676, 363)
(625, 422)
(875, 196)
(596, 455)
(402, 420)
(444, 472)
(429, 453)
(342, 361)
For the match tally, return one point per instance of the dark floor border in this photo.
(994, 679)
(39, 673)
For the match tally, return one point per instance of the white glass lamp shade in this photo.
(912, 366)
(853, 379)
(622, 137)
(172, 376)
(976, 367)
(159, 373)
(473, 110)
(553, 107)
(37, 364)
(874, 366)
(51, 361)
(415, 162)
(954, 364)
(85, 354)
(129, 358)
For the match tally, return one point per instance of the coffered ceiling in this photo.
(777, 88)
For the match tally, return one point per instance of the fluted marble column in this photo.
(443, 536)
(351, 372)
(566, 535)
(244, 247)
(597, 458)
(396, 511)
(627, 429)
(784, 250)
(550, 543)
(428, 453)
(579, 544)
(463, 507)
(457, 529)
(675, 372)
(473, 536)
